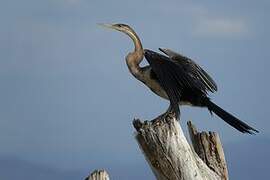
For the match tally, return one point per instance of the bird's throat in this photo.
(134, 58)
(136, 40)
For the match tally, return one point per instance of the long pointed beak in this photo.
(110, 26)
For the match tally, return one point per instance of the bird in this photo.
(176, 78)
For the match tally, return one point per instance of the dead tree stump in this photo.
(170, 156)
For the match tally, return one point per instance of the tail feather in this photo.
(230, 119)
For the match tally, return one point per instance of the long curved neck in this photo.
(136, 40)
(134, 58)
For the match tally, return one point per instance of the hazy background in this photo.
(67, 99)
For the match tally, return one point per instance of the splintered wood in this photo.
(170, 156)
(98, 175)
(209, 149)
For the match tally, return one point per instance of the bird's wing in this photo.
(172, 77)
(190, 66)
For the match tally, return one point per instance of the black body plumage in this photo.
(185, 81)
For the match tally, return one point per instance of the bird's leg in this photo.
(169, 111)
(168, 114)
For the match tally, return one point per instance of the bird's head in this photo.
(128, 31)
(119, 27)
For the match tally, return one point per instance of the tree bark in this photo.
(172, 158)
(98, 175)
(209, 149)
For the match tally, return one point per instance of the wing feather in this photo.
(172, 77)
(193, 68)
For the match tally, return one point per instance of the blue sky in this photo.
(68, 100)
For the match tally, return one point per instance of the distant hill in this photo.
(14, 168)
(248, 160)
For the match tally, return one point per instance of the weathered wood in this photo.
(168, 152)
(98, 175)
(209, 149)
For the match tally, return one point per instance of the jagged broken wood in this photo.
(208, 147)
(170, 156)
(98, 175)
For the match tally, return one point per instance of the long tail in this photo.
(228, 118)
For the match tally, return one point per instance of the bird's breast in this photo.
(152, 83)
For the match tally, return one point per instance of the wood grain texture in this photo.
(98, 175)
(209, 149)
(168, 153)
